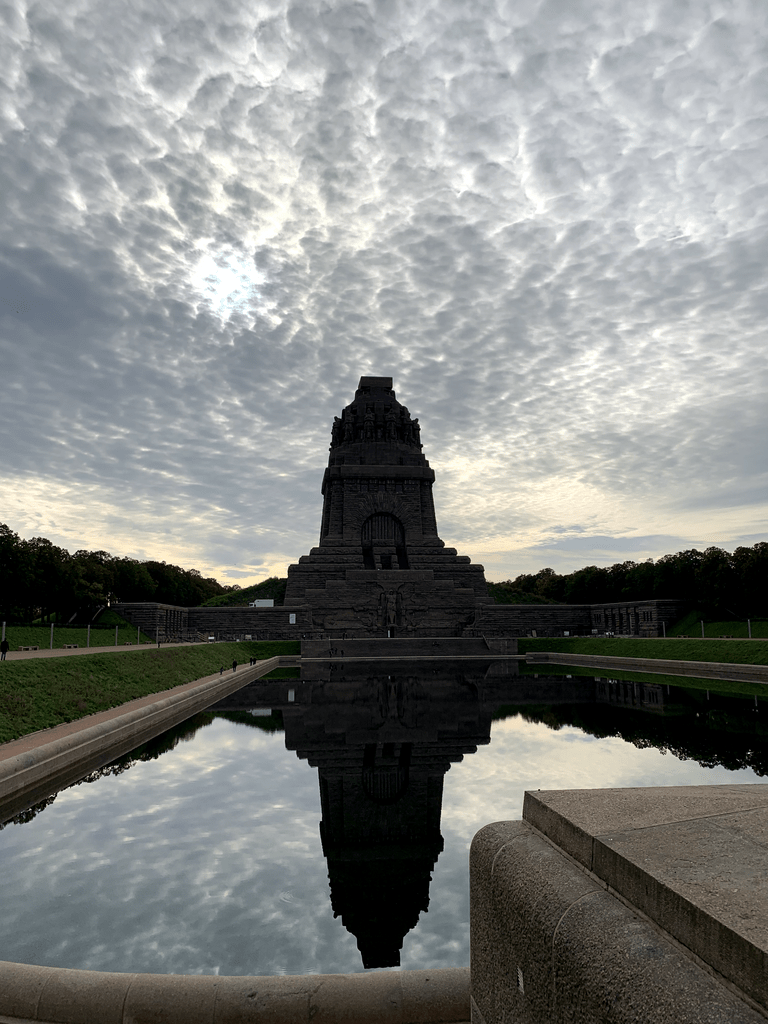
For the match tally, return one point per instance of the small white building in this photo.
(263, 603)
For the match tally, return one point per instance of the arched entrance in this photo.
(383, 540)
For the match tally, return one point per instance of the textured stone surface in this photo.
(551, 946)
(93, 997)
(693, 858)
(386, 647)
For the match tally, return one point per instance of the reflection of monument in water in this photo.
(382, 737)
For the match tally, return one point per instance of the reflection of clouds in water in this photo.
(489, 785)
(208, 860)
(177, 866)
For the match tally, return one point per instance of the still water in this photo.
(332, 834)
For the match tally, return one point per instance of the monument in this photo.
(380, 568)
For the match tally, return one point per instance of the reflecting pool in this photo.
(322, 824)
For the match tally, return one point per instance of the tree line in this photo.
(39, 579)
(714, 581)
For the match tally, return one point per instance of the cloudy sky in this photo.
(546, 219)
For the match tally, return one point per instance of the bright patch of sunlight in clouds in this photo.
(228, 281)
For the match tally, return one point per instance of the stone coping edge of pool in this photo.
(733, 671)
(552, 944)
(49, 995)
(44, 762)
(692, 859)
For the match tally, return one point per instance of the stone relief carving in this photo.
(390, 420)
(369, 426)
(398, 606)
(390, 608)
(385, 426)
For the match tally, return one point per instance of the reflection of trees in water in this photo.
(31, 812)
(267, 723)
(153, 749)
(731, 738)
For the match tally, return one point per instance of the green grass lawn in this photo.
(38, 693)
(736, 652)
(40, 636)
(690, 625)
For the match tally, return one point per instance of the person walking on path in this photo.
(234, 666)
(4, 646)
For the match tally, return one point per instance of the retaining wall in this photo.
(407, 647)
(661, 666)
(550, 944)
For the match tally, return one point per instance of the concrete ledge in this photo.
(550, 945)
(694, 859)
(36, 766)
(48, 995)
(407, 647)
(662, 666)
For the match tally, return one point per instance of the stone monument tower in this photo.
(380, 568)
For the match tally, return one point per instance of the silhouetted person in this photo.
(4, 646)
(234, 666)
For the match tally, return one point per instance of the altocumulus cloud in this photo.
(546, 219)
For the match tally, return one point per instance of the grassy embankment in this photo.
(38, 693)
(690, 625)
(40, 636)
(273, 587)
(734, 652)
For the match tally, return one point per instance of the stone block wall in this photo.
(155, 619)
(636, 618)
(167, 622)
(430, 605)
(523, 619)
(550, 945)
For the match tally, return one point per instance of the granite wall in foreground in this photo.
(610, 906)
